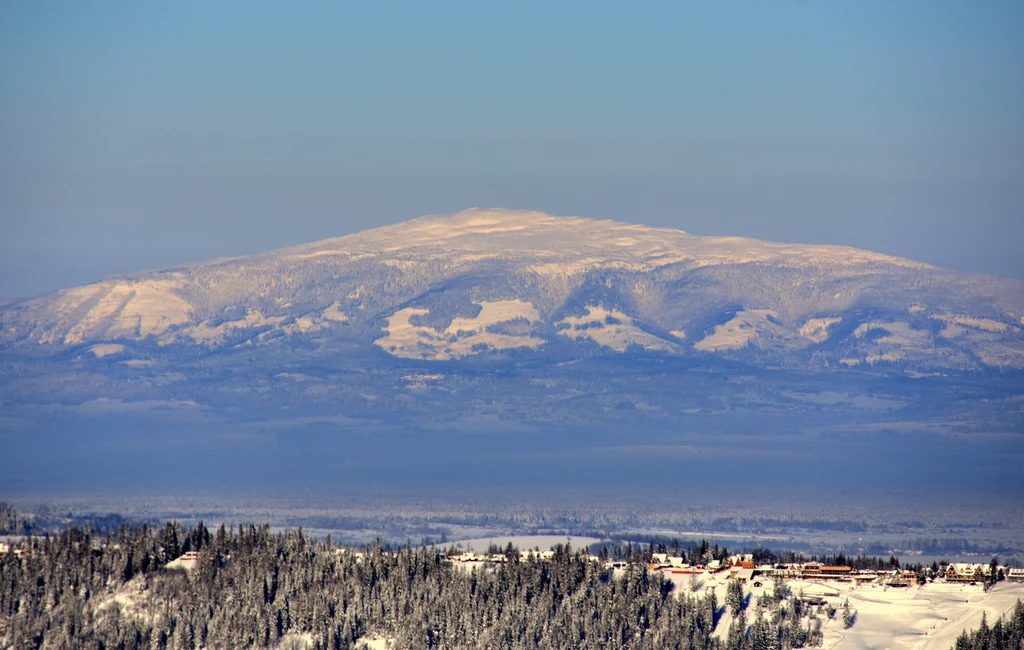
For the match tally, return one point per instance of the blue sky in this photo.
(142, 135)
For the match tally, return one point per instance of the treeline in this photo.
(11, 521)
(255, 589)
(703, 552)
(1005, 634)
(944, 545)
(642, 551)
(15, 522)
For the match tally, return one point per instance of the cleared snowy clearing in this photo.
(750, 327)
(612, 329)
(928, 617)
(462, 337)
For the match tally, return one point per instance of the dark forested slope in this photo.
(251, 588)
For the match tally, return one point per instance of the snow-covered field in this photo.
(928, 617)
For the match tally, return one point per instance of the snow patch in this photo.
(611, 329)
(897, 333)
(123, 310)
(106, 349)
(375, 643)
(138, 363)
(493, 313)
(955, 325)
(888, 356)
(816, 329)
(464, 336)
(208, 333)
(304, 325)
(748, 327)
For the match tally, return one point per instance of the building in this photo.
(961, 572)
(537, 555)
(1015, 575)
(745, 560)
(902, 579)
(814, 570)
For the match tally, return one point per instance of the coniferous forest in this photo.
(1005, 634)
(251, 588)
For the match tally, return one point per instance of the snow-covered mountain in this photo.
(507, 284)
(516, 346)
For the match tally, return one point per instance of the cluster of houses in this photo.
(737, 567)
(469, 556)
(741, 567)
(979, 573)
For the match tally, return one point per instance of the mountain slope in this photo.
(499, 282)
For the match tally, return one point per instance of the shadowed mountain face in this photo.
(514, 324)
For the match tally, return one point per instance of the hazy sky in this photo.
(140, 135)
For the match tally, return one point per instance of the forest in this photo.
(253, 588)
(1007, 633)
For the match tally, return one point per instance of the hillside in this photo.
(501, 283)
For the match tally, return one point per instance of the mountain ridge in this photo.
(498, 282)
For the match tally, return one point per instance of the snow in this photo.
(955, 324)
(569, 245)
(208, 333)
(747, 327)
(333, 313)
(544, 257)
(1000, 354)
(816, 329)
(897, 333)
(121, 310)
(611, 328)
(304, 325)
(899, 339)
(464, 336)
(929, 617)
(106, 349)
(493, 313)
(375, 643)
(138, 363)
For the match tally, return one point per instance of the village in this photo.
(741, 567)
(736, 567)
(898, 608)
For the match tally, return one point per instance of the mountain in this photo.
(502, 336)
(504, 283)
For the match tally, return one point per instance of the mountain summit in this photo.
(517, 284)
